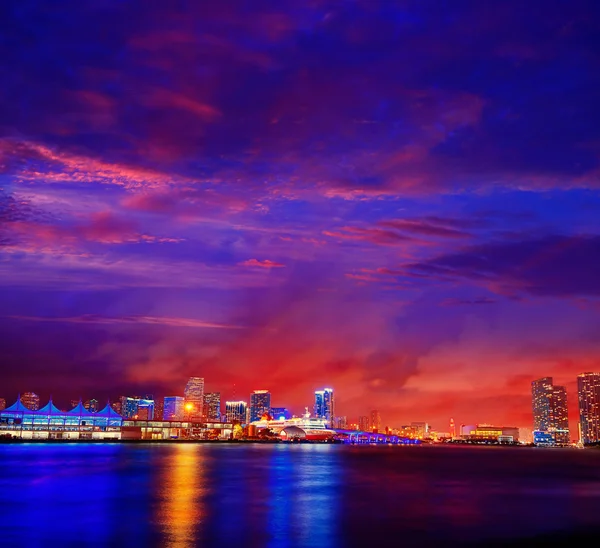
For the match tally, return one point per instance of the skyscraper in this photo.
(324, 405)
(212, 406)
(2, 404)
(31, 400)
(194, 396)
(364, 424)
(550, 413)
(588, 393)
(236, 411)
(260, 403)
(375, 421)
(173, 408)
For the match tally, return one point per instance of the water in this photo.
(293, 495)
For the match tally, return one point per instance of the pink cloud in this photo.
(262, 264)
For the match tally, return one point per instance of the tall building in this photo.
(375, 421)
(588, 394)
(173, 408)
(341, 422)
(194, 397)
(421, 429)
(364, 425)
(159, 409)
(236, 411)
(212, 406)
(2, 404)
(116, 406)
(134, 407)
(324, 405)
(550, 413)
(31, 400)
(145, 408)
(260, 403)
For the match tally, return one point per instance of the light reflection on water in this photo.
(181, 489)
(287, 496)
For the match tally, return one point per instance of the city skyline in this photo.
(400, 200)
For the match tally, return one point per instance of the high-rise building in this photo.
(31, 400)
(550, 413)
(159, 409)
(375, 421)
(324, 405)
(145, 409)
(236, 411)
(260, 403)
(92, 406)
(194, 397)
(212, 406)
(364, 425)
(588, 394)
(278, 412)
(174, 408)
(134, 407)
(421, 429)
(129, 406)
(2, 404)
(116, 406)
(341, 423)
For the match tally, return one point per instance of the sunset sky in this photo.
(400, 200)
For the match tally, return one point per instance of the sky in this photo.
(396, 199)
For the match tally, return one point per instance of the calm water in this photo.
(299, 495)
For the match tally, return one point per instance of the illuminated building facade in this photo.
(280, 413)
(31, 400)
(324, 405)
(194, 396)
(2, 404)
(488, 432)
(51, 423)
(236, 411)
(212, 406)
(588, 394)
(421, 429)
(174, 408)
(341, 423)
(550, 412)
(91, 405)
(133, 407)
(364, 424)
(260, 403)
(375, 421)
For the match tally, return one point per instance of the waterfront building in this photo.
(588, 394)
(194, 397)
(375, 421)
(145, 408)
(116, 406)
(421, 429)
(364, 424)
(2, 404)
(31, 400)
(236, 411)
(488, 432)
(174, 409)
(212, 406)
(49, 422)
(324, 405)
(550, 412)
(280, 413)
(91, 405)
(260, 403)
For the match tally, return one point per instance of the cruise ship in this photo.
(305, 427)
